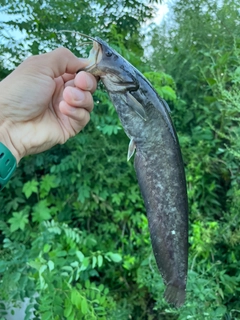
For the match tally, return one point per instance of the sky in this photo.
(162, 11)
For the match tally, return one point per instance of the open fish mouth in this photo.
(95, 55)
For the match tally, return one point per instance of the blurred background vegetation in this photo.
(73, 226)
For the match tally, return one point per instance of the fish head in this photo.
(115, 72)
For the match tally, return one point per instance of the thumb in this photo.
(58, 62)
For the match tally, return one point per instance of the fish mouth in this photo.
(95, 55)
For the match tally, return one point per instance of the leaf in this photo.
(50, 265)
(84, 193)
(72, 316)
(18, 221)
(47, 315)
(41, 211)
(75, 264)
(76, 298)
(101, 287)
(68, 309)
(168, 93)
(117, 197)
(67, 268)
(87, 284)
(42, 268)
(30, 187)
(46, 248)
(100, 261)
(110, 129)
(94, 262)
(61, 253)
(35, 264)
(220, 311)
(80, 255)
(211, 81)
(115, 257)
(85, 264)
(47, 183)
(84, 306)
(64, 274)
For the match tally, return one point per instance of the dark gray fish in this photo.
(158, 162)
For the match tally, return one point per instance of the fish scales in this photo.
(158, 162)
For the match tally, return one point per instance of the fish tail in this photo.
(175, 295)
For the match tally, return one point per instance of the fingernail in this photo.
(78, 95)
(90, 83)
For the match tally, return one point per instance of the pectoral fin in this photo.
(131, 149)
(135, 105)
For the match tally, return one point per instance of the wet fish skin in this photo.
(158, 164)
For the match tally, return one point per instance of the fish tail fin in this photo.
(175, 295)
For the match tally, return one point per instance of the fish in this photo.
(158, 162)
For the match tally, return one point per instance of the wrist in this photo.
(8, 165)
(8, 142)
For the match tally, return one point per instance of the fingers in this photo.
(85, 81)
(81, 115)
(68, 77)
(78, 98)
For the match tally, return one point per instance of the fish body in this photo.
(158, 162)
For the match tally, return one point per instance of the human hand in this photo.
(43, 102)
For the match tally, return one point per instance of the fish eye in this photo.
(108, 53)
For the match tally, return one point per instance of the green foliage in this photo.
(201, 51)
(63, 274)
(18, 221)
(72, 222)
(69, 231)
(39, 23)
(163, 84)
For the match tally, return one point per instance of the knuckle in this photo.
(63, 51)
(31, 59)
